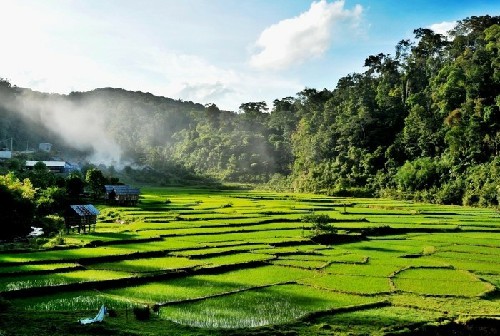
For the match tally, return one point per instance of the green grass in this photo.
(95, 252)
(37, 267)
(348, 258)
(207, 285)
(221, 250)
(378, 321)
(492, 279)
(74, 301)
(356, 284)
(478, 267)
(273, 305)
(473, 249)
(146, 265)
(437, 281)
(55, 279)
(370, 269)
(307, 257)
(236, 258)
(465, 238)
(278, 274)
(450, 306)
(307, 264)
(459, 256)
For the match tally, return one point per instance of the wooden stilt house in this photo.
(81, 217)
(122, 194)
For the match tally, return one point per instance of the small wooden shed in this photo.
(81, 217)
(122, 194)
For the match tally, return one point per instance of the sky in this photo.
(225, 52)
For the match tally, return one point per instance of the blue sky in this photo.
(225, 52)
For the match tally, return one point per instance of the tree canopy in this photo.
(18, 208)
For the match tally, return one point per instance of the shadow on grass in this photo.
(379, 249)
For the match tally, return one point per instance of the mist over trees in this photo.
(423, 123)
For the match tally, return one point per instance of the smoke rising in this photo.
(81, 125)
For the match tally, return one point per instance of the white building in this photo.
(53, 166)
(5, 154)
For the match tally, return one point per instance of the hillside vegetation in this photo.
(423, 123)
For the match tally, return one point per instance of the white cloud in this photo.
(443, 27)
(306, 36)
(204, 92)
(59, 49)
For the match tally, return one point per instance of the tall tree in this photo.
(18, 207)
(96, 181)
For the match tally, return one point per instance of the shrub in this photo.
(451, 193)
(339, 191)
(482, 184)
(422, 173)
(56, 241)
(321, 223)
(279, 182)
(51, 224)
(51, 200)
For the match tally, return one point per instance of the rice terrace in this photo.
(208, 262)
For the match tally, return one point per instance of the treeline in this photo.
(39, 198)
(423, 123)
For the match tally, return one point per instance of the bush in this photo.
(142, 313)
(482, 184)
(340, 191)
(51, 225)
(426, 195)
(321, 223)
(280, 183)
(451, 193)
(470, 198)
(420, 174)
(51, 200)
(56, 241)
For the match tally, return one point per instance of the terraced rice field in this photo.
(245, 259)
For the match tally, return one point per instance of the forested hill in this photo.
(423, 122)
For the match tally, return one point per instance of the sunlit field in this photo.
(223, 260)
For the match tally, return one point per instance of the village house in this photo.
(122, 194)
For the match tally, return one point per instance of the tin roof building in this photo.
(81, 217)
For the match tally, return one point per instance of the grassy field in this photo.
(236, 262)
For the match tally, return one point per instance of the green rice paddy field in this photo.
(216, 262)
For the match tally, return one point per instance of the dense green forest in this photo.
(423, 123)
